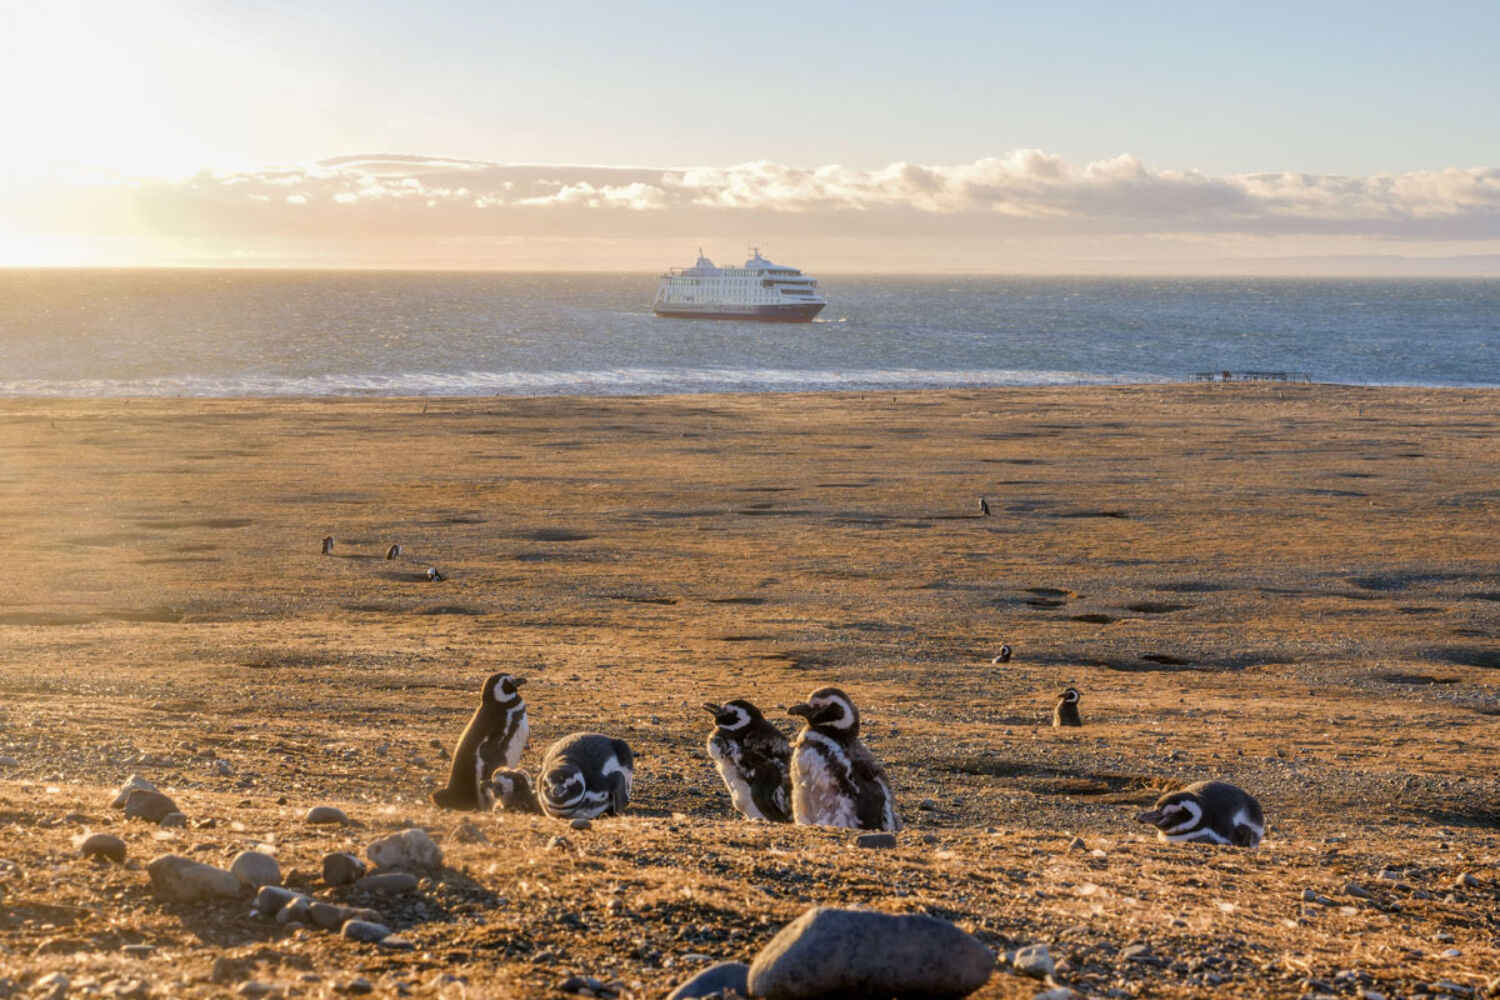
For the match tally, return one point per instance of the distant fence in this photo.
(1227, 376)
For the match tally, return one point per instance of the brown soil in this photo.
(1293, 588)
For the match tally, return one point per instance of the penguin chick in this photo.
(434, 575)
(836, 781)
(512, 791)
(393, 551)
(495, 736)
(328, 545)
(754, 759)
(1003, 656)
(1208, 812)
(1066, 712)
(585, 775)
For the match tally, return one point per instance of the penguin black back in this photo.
(1066, 712)
(753, 758)
(495, 736)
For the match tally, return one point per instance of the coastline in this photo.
(1291, 586)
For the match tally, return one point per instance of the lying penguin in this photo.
(586, 775)
(1208, 812)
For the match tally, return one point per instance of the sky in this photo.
(1059, 137)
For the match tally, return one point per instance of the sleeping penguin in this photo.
(495, 736)
(1208, 812)
(754, 759)
(586, 775)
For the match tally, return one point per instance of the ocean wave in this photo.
(606, 382)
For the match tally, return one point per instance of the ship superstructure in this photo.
(760, 290)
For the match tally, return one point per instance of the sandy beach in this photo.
(1292, 587)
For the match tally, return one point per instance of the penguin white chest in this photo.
(734, 780)
(818, 796)
(518, 739)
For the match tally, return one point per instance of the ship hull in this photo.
(789, 313)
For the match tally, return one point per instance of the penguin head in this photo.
(1069, 696)
(829, 709)
(1174, 812)
(502, 689)
(510, 787)
(563, 786)
(734, 716)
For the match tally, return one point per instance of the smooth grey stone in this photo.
(174, 819)
(341, 868)
(103, 845)
(183, 880)
(411, 848)
(715, 979)
(394, 943)
(133, 783)
(332, 916)
(829, 952)
(298, 911)
(364, 930)
(152, 806)
(875, 840)
(272, 898)
(325, 814)
(387, 882)
(256, 869)
(1033, 960)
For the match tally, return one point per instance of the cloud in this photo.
(1027, 193)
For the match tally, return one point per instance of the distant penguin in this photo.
(984, 507)
(495, 736)
(585, 775)
(511, 791)
(1209, 812)
(754, 759)
(1003, 656)
(1066, 712)
(328, 545)
(434, 575)
(836, 781)
(393, 552)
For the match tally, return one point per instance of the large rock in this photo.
(341, 868)
(255, 869)
(182, 880)
(133, 783)
(151, 806)
(715, 979)
(1033, 960)
(828, 952)
(407, 849)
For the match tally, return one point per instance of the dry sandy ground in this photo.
(1294, 588)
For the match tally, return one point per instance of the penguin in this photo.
(586, 775)
(836, 781)
(1208, 812)
(984, 507)
(495, 736)
(1066, 712)
(754, 759)
(434, 575)
(511, 791)
(328, 545)
(1003, 656)
(393, 551)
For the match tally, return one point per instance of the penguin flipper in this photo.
(619, 793)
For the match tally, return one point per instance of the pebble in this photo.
(103, 845)
(341, 868)
(1465, 881)
(151, 806)
(271, 898)
(138, 950)
(387, 883)
(927, 805)
(53, 986)
(1309, 896)
(9, 762)
(298, 912)
(172, 819)
(873, 840)
(182, 880)
(467, 833)
(580, 824)
(715, 979)
(1033, 960)
(332, 916)
(255, 869)
(397, 943)
(357, 986)
(411, 848)
(1356, 890)
(857, 952)
(1077, 844)
(364, 930)
(1058, 993)
(133, 783)
(326, 814)
(254, 988)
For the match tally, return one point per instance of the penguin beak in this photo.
(806, 711)
(1152, 816)
(711, 707)
(517, 681)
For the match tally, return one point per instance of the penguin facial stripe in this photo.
(732, 717)
(1242, 818)
(1194, 818)
(1204, 835)
(833, 712)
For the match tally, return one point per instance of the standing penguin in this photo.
(495, 736)
(754, 759)
(328, 545)
(585, 775)
(511, 791)
(394, 551)
(1003, 656)
(1066, 712)
(836, 781)
(1208, 812)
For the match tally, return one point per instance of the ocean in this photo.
(320, 333)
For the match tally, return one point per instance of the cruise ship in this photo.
(760, 290)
